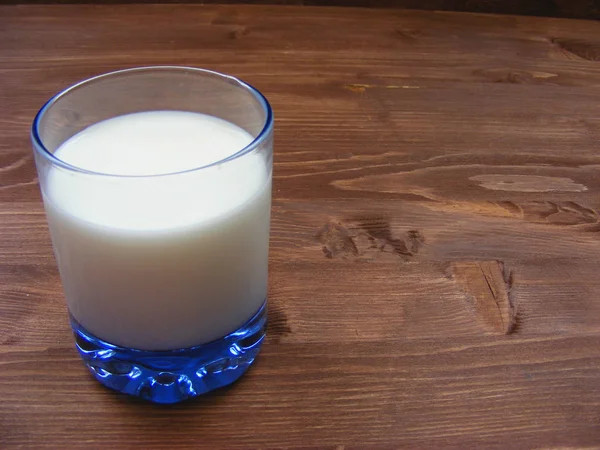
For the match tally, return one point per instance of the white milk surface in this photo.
(166, 261)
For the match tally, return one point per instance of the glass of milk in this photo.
(156, 183)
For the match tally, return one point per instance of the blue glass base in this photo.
(177, 375)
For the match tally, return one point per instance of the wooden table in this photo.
(435, 252)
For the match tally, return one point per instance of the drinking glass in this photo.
(164, 274)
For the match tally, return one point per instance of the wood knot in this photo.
(567, 213)
(367, 238)
(583, 49)
(337, 240)
(488, 284)
(239, 33)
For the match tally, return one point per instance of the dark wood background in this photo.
(582, 9)
(435, 247)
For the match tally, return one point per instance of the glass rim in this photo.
(41, 149)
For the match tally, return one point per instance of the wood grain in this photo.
(434, 254)
(580, 9)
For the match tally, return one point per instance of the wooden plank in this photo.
(581, 9)
(434, 251)
(416, 393)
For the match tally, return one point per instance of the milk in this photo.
(166, 261)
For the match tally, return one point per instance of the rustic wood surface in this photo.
(435, 252)
(579, 9)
